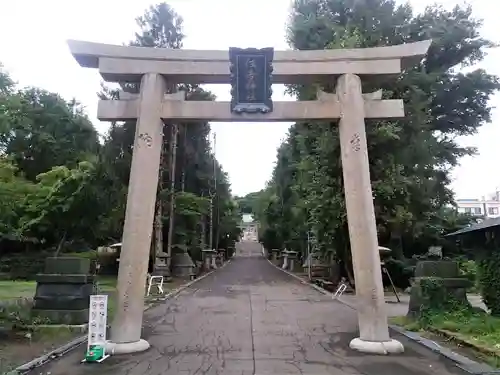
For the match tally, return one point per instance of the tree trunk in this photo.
(203, 237)
(158, 223)
(172, 195)
(60, 245)
(184, 153)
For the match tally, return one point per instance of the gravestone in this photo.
(292, 258)
(160, 266)
(230, 251)
(318, 268)
(284, 255)
(208, 259)
(221, 256)
(63, 291)
(447, 286)
(182, 263)
(275, 256)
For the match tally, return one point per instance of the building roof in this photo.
(485, 224)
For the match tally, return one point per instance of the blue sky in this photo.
(33, 49)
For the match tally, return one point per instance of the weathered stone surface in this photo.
(372, 317)
(182, 264)
(66, 279)
(61, 296)
(111, 110)
(139, 213)
(120, 63)
(450, 287)
(67, 266)
(432, 268)
(50, 300)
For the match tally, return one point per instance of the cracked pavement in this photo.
(251, 318)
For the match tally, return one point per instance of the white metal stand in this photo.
(158, 284)
(341, 289)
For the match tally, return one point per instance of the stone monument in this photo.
(182, 263)
(208, 259)
(160, 266)
(63, 291)
(437, 284)
(275, 255)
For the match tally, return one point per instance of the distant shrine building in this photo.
(249, 227)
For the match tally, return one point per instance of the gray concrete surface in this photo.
(251, 318)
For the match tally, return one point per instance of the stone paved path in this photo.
(251, 318)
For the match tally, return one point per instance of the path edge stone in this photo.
(70, 346)
(462, 362)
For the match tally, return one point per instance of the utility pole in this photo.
(172, 195)
(309, 257)
(158, 222)
(216, 197)
(212, 198)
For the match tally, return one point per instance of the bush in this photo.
(436, 299)
(468, 269)
(401, 273)
(23, 266)
(489, 280)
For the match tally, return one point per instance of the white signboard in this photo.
(98, 313)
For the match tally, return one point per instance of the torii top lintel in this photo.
(128, 64)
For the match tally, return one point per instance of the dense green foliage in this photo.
(489, 280)
(483, 246)
(249, 203)
(62, 188)
(410, 159)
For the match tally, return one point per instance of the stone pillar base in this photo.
(377, 347)
(126, 347)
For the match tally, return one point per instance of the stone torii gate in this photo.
(154, 68)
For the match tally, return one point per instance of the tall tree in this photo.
(411, 182)
(189, 174)
(43, 131)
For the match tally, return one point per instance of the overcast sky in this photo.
(33, 48)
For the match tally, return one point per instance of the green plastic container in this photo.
(95, 353)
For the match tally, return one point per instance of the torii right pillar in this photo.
(373, 328)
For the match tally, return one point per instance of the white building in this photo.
(489, 208)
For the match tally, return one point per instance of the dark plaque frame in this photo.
(251, 73)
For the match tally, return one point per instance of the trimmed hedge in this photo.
(23, 266)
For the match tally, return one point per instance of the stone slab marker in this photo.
(373, 329)
(127, 324)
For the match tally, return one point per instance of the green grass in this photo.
(26, 289)
(42, 338)
(10, 290)
(475, 329)
(478, 327)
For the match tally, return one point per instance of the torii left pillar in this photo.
(137, 231)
